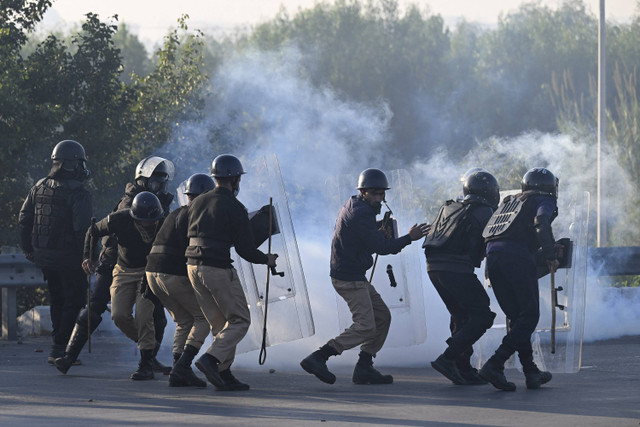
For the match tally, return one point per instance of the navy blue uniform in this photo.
(512, 271)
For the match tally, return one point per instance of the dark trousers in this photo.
(468, 303)
(515, 284)
(101, 295)
(67, 295)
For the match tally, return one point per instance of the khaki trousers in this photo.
(176, 293)
(125, 293)
(223, 303)
(371, 317)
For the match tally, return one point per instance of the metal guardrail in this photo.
(614, 261)
(15, 271)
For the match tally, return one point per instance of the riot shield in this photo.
(405, 300)
(557, 347)
(289, 311)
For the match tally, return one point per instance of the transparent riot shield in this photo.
(289, 311)
(405, 300)
(557, 347)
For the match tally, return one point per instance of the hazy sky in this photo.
(151, 19)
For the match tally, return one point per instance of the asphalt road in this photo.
(606, 392)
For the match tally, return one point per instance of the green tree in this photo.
(135, 58)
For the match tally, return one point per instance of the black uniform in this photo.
(512, 271)
(451, 270)
(52, 222)
(100, 295)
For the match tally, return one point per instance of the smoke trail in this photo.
(261, 103)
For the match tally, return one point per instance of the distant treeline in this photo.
(446, 87)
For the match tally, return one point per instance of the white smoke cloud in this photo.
(263, 104)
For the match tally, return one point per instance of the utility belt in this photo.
(167, 250)
(205, 242)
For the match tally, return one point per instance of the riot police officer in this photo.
(152, 174)
(355, 239)
(512, 240)
(52, 222)
(217, 220)
(167, 278)
(454, 247)
(135, 229)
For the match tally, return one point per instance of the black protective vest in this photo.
(449, 228)
(52, 222)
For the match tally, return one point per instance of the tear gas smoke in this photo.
(262, 104)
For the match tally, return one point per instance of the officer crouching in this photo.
(355, 239)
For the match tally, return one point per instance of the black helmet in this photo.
(198, 183)
(540, 179)
(482, 184)
(372, 178)
(146, 207)
(68, 150)
(470, 171)
(226, 166)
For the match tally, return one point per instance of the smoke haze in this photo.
(261, 103)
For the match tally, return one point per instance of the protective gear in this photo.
(145, 369)
(372, 178)
(70, 156)
(182, 375)
(198, 183)
(78, 338)
(542, 180)
(471, 171)
(316, 364)
(68, 150)
(503, 217)
(146, 207)
(534, 379)
(544, 234)
(493, 372)
(226, 166)
(365, 373)
(208, 365)
(448, 368)
(52, 225)
(156, 366)
(483, 185)
(231, 382)
(153, 173)
(450, 222)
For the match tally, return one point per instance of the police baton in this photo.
(91, 249)
(385, 219)
(262, 357)
(553, 311)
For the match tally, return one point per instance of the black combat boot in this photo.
(231, 382)
(79, 336)
(156, 365)
(493, 371)
(182, 375)
(57, 351)
(365, 373)
(533, 375)
(468, 372)
(145, 367)
(448, 368)
(176, 357)
(208, 365)
(316, 363)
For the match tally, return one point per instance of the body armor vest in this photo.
(451, 222)
(504, 216)
(52, 225)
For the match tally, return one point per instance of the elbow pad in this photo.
(544, 234)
